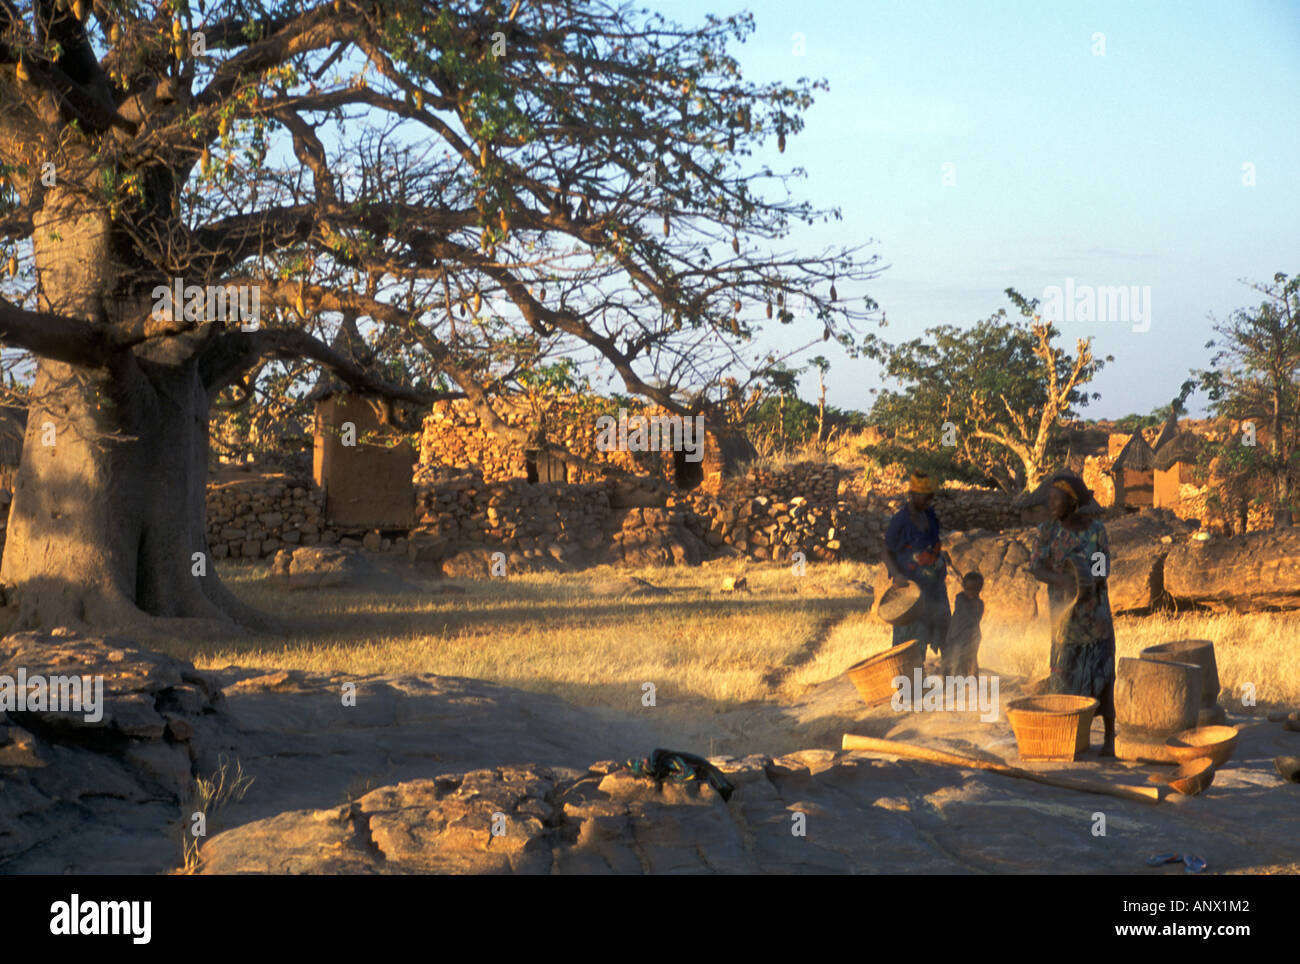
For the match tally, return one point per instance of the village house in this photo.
(455, 438)
(361, 468)
(1133, 472)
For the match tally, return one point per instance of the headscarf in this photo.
(921, 483)
(1073, 487)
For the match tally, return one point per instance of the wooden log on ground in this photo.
(873, 744)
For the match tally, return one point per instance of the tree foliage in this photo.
(1254, 377)
(484, 187)
(986, 401)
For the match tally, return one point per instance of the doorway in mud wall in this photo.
(687, 474)
(543, 467)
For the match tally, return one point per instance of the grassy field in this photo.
(576, 636)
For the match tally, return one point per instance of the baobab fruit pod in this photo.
(826, 334)
(483, 155)
(205, 161)
(478, 302)
(224, 126)
(178, 31)
(13, 265)
(115, 34)
(21, 71)
(735, 306)
(780, 299)
(419, 100)
(735, 244)
(769, 309)
(79, 10)
(833, 296)
(301, 306)
(780, 142)
(665, 226)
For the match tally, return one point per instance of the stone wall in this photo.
(453, 436)
(595, 522)
(763, 515)
(257, 515)
(812, 481)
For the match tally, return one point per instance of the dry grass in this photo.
(209, 797)
(572, 635)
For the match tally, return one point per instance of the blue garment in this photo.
(919, 553)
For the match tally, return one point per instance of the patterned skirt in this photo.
(1083, 670)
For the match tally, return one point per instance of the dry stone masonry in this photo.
(454, 436)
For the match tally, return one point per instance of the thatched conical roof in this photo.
(1135, 456)
(1167, 432)
(1183, 447)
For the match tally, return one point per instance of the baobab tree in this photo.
(478, 187)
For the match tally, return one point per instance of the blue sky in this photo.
(1119, 169)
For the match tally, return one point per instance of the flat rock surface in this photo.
(420, 773)
(858, 812)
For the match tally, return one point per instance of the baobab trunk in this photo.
(108, 518)
(107, 524)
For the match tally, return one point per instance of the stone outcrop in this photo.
(814, 811)
(1136, 580)
(1252, 571)
(1010, 593)
(416, 772)
(72, 788)
(1140, 544)
(317, 567)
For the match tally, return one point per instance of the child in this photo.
(961, 651)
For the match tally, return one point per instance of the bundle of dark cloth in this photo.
(681, 767)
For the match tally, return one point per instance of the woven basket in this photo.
(1051, 727)
(900, 605)
(874, 677)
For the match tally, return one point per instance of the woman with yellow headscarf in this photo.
(1072, 555)
(914, 553)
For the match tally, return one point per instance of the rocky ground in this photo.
(417, 774)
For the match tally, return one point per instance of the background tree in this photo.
(1255, 377)
(482, 188)
(1002, 388)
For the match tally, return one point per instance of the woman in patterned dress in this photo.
(1072, 556)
